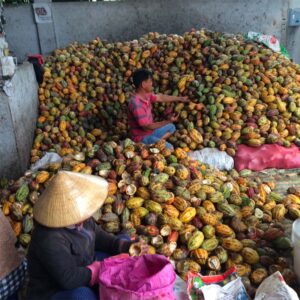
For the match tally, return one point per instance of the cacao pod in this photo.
(187, 215)
(258, 275)
(196, 240)
(213, 263)
(153, 206)
(224, 230)
(134, 202)
(233, 245)
(278, 212)
(208, 231)
(250, 255)
(22, 193)
(210, 244)
(200, 255)
(222, 254)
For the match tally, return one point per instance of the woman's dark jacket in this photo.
(57, 257)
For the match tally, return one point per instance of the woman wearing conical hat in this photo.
(61, 256)
(12, 262)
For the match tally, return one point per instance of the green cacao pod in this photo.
(226, 209)
(208, 231)
(210, 244)
(153, 206)
(24, 239)
(196, 240)
(22, 193)
(222, 254)
(27, 224)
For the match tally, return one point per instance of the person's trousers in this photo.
(84, 292)
(80, 293)
(158, 134)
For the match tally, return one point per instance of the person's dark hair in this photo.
(139, 76)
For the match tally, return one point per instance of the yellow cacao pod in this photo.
(250, 255)
(243, 269)
(209, 206)
(207, 189)
(209, 219)
(42, 176)
(194, 186)
(224, 230)
(180, 153)
(246, 212)
(262, 193)
(278, 212)
(143, 193)
(233, 245)
(182, 172)
(6, 208)
(141, 212)
(187, 215)
(293, 198)
(135, 219)
(171, 211)
(269, 205)
(134, 202)
(200, 255)
(196, 136)
(180, 203)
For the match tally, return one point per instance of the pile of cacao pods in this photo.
(239, 92)
(204, 219)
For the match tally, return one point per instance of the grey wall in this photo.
(18, 111)
(293, 34)
(129, 19)
(21, 31)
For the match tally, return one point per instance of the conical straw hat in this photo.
(70, 198)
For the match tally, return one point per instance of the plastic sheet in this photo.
(213, 157)
(47, 159)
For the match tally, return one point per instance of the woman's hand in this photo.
(95, 268)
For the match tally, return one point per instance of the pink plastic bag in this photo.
(267, 156)
(147, 277)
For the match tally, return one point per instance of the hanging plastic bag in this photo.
(213, 157)
(180, 289)
(8, 65)
(274, 287)
(227, 286)
(269, 41)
